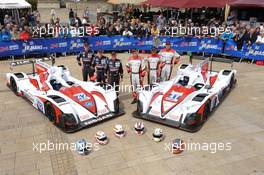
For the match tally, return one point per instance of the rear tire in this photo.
(13, 85)
(50, 112)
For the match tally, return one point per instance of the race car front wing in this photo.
(168, 122)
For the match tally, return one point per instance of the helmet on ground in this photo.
(93, 78)
(177, 146)
(119, 131)
(157, 135)
(83, 147)
(101, 138)
(139, 128)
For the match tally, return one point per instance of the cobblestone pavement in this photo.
(238, 120)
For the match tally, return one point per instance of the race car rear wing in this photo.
(215, 59)
(32, 61)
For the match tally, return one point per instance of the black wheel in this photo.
(139, 107)
(232, 81)
(116, 105)
(206, 111)
(50, 112)
(13, 85)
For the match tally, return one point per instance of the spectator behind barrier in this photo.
(260, 39)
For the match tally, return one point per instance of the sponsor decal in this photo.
(40, 105)
(117, 64)
(174, 117)
(84, 117)
(155, 112)
(28, 95)
(98, 119)
(89, 104)
(102, 111)
(81, 97)
(174, 96)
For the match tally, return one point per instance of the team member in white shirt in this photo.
(169, 57)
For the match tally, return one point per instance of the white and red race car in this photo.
(69, 103)
(186, 101)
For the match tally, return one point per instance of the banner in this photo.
(108, 43)
(255, 52)
(211, 45)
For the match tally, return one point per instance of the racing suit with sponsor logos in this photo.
(100, 64)
(136, 68)
(115, 72)
(85, 59)
(167, 57)
(153, 63)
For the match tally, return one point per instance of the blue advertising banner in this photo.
(187, 44)
(231, 49)
(181, 44)
(211, 45)
(255, 52)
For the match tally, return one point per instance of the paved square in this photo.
(238, 120)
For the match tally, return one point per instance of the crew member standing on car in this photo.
(115, 72)
(136, 68)
(85, 60)
(169, 57)
(100, 64)
(153, 66)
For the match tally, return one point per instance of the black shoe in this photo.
(134, 101)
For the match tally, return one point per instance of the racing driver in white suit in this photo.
(153, 66)
(136, 68)
(169, 57)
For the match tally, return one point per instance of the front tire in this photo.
(13, 85)
(139, 107)
(207, 110)
(232, 82)
(50, 112)
(116, 106)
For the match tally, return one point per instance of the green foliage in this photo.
(34, 4)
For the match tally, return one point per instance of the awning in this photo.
(187, 3)
(246, 3)
(204, 3)
(135, 2)
(14, 4)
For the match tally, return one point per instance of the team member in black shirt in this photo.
(85, 60)
(115, 71)
(100, 64)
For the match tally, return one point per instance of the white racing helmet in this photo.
(101, 138)
(83, 147)
(158, 135)
(119, 131)
(177, 146)
(139, 128)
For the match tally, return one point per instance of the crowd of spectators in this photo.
(15, 29)
(133, 22)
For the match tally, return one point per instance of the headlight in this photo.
(192, 119)
(69, 119)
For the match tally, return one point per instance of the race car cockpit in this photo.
(184, 80)
(57, 78)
